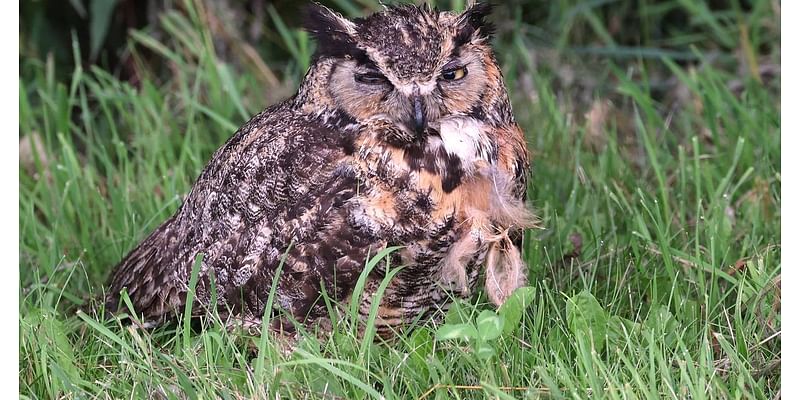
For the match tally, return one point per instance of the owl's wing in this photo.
(514, 155)
(277, 187)
(505, 268)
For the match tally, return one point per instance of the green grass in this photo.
(656, 274)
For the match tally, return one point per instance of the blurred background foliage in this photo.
(572, 39)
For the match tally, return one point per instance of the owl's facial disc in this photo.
(365, 90)
(420, 94)
(411, 65)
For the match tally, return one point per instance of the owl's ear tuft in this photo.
(335, 34)
(472, 24)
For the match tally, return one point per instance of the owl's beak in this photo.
(420, 113)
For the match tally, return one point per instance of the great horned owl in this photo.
(401, 134)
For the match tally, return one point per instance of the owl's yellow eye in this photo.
(454, 74)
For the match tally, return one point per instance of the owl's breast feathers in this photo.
(469, 173)
(316, 195)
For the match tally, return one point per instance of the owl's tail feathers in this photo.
(150, 277)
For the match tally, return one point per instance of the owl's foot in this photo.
(281, 333)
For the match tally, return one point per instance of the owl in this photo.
(400, 134)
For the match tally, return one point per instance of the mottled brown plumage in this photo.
(401, 134)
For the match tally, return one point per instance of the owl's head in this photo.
(412, 65)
